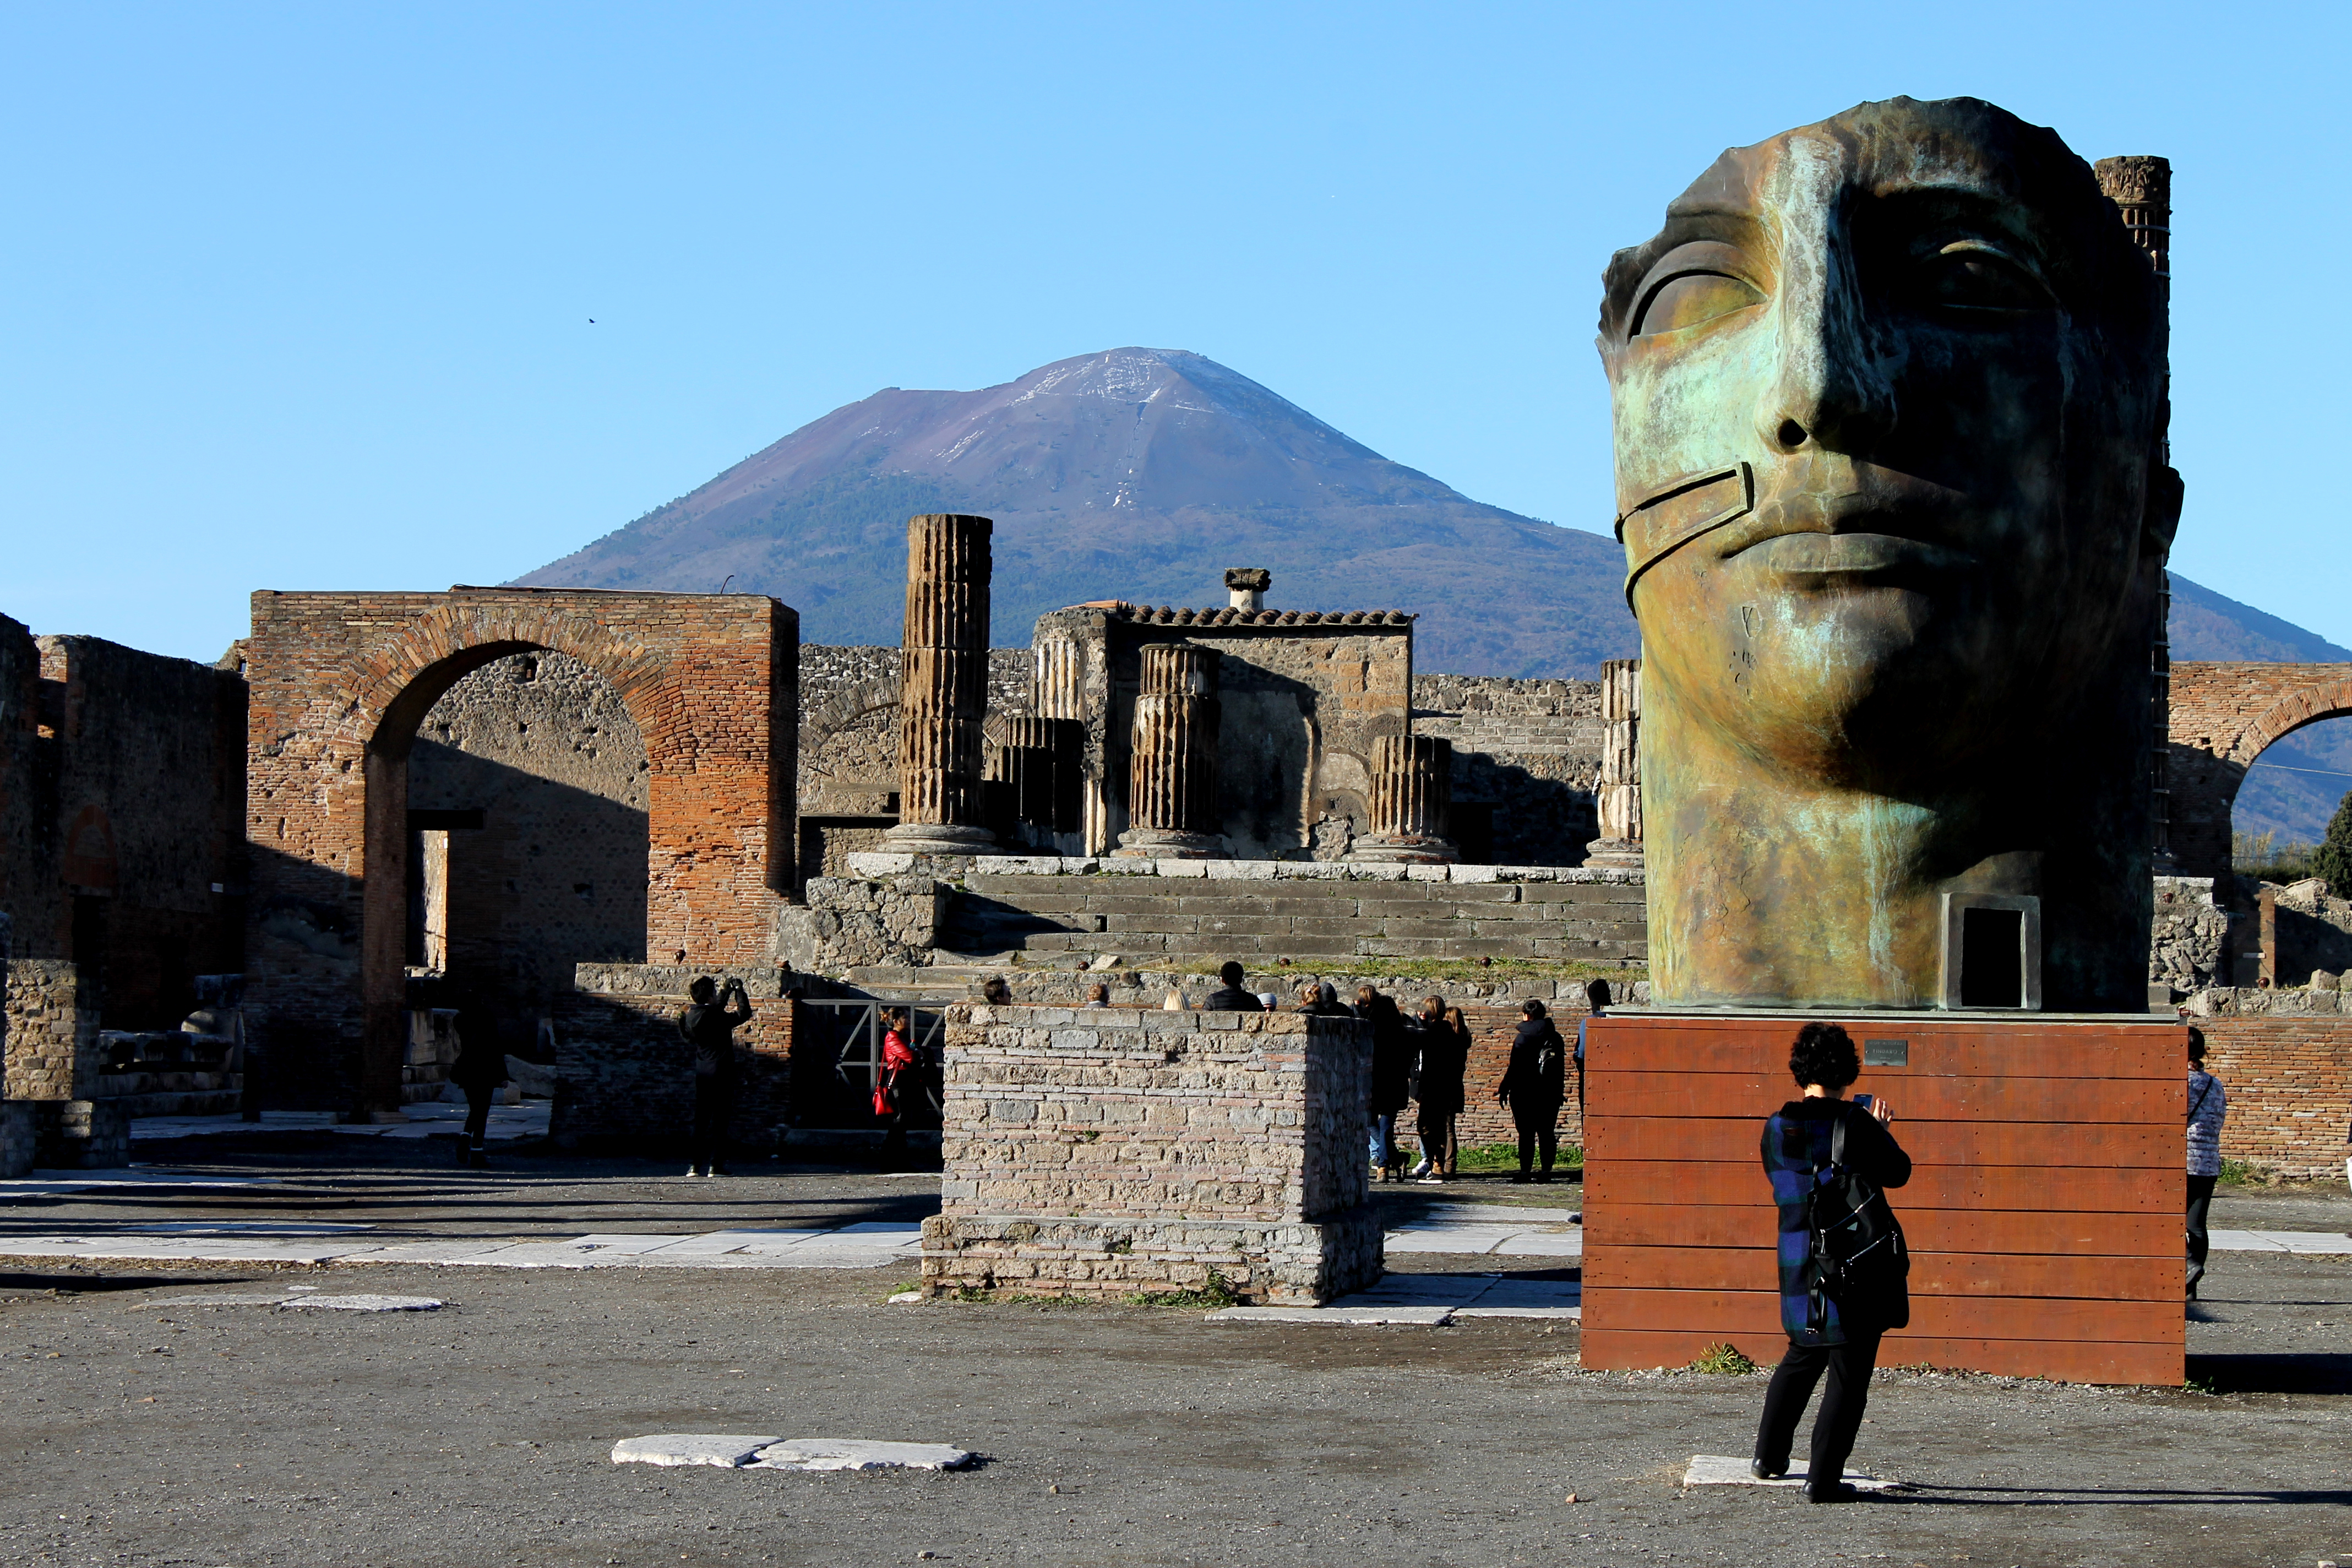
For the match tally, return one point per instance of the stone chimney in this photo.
(1245, 586)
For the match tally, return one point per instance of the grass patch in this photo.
(1506, 1157)
(1212, 1294)
(1724, 1360)
(2243, 1173)
(1618, 975)
(2199, 1385)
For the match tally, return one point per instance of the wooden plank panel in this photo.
(2078, 1362)
(2011, 1187)
(1927, 1143)
(1966, 1275)
(2055, 1051)
(1920, 1097)
(1948, 1317)
(1750, 1225)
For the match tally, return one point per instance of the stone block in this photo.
(81, 1134)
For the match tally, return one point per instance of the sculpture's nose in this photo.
(1828, 389)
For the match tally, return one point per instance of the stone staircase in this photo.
(1193, 925)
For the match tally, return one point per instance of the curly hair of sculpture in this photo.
(1890, 395)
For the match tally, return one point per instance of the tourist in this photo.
(1319, 999)
(995, 992)
(1099, 995)
(479, 1070)
(1596, 1002)
(709, 1030)
(1391, 1076)
(1444, 1043)
(895, 1085)
(1230, 998)
(1833, 1324)
(2209, 1105)
(1533, 1085)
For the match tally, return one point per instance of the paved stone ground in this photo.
(482, 1434)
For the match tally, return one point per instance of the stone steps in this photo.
(1192, 922)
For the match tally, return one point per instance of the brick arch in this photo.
(2223, 716)
(339, 683)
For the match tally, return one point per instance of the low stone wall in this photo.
(845, 922)
(19, 1138)
(625, 1078)
(1111, 1151)
(81, 1134)
(2285, 1058)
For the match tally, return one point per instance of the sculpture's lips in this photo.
(1886, 556)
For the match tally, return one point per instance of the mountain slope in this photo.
(1138, 474)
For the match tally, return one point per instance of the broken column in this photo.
(1021, 776)
(1618, 795)
(1413, 796)
(943, 691)
(1172, 760)
(2141, 188)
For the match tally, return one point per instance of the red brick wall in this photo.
(2223, 716)
(2289, 1078)
(1491, 1031)
(339, 683)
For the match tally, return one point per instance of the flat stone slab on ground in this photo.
(2307, 1242)
(858, 1454)
(362, 1302)
(726, 1451)
(1723, 1470)
(1362, 1316)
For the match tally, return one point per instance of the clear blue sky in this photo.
(299, 297)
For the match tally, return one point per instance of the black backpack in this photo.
(1857, 1249)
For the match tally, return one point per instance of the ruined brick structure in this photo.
(2223, 716)
(341, 684)
(2286, 1059)
(1100, 1151)
(526, 809)
(121, 854)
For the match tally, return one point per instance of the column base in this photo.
(1613, 855)
(1401, 848)
(938, 839)
(1169, 844)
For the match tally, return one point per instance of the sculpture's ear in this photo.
(2162, 518)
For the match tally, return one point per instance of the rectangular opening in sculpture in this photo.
(1992, 957)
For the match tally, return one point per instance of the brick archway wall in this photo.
(340, 682)
(2223, 716)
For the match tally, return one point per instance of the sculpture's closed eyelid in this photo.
(1694, 283)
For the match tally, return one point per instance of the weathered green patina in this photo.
(1888, 394)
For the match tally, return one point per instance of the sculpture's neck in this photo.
(1766, 891)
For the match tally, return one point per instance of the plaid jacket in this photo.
(2208, 1103)
(1797, 1142)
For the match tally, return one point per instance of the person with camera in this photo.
(707, 1026)
(1843, 1258)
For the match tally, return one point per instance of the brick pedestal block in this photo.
(1106, 1150)
(2043, 1211)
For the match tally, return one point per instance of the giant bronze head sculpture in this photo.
(1889, 396)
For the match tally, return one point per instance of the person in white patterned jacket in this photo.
(2208, 1103)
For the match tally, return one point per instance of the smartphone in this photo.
(1862, 1101)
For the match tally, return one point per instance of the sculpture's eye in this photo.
(1971, 277)
(1687, 299)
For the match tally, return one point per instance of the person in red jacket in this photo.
(894, 1085)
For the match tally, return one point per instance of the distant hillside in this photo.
(1138, 474)
(2206, 625)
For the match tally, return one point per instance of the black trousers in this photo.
(714, 1108)
(1849, 1366)
(1538, 1125)
(477, 1111)
(1436, 1128)
(2200, 1206)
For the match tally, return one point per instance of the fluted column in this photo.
(1412, 796)
(943, 690)
(1171, 788)
(2141, 188)
(1027, 768)
(1618, 793)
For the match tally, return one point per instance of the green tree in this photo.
(2334, 860)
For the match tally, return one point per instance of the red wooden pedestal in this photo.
(2043, 1212)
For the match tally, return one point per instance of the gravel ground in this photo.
(148, 1434)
